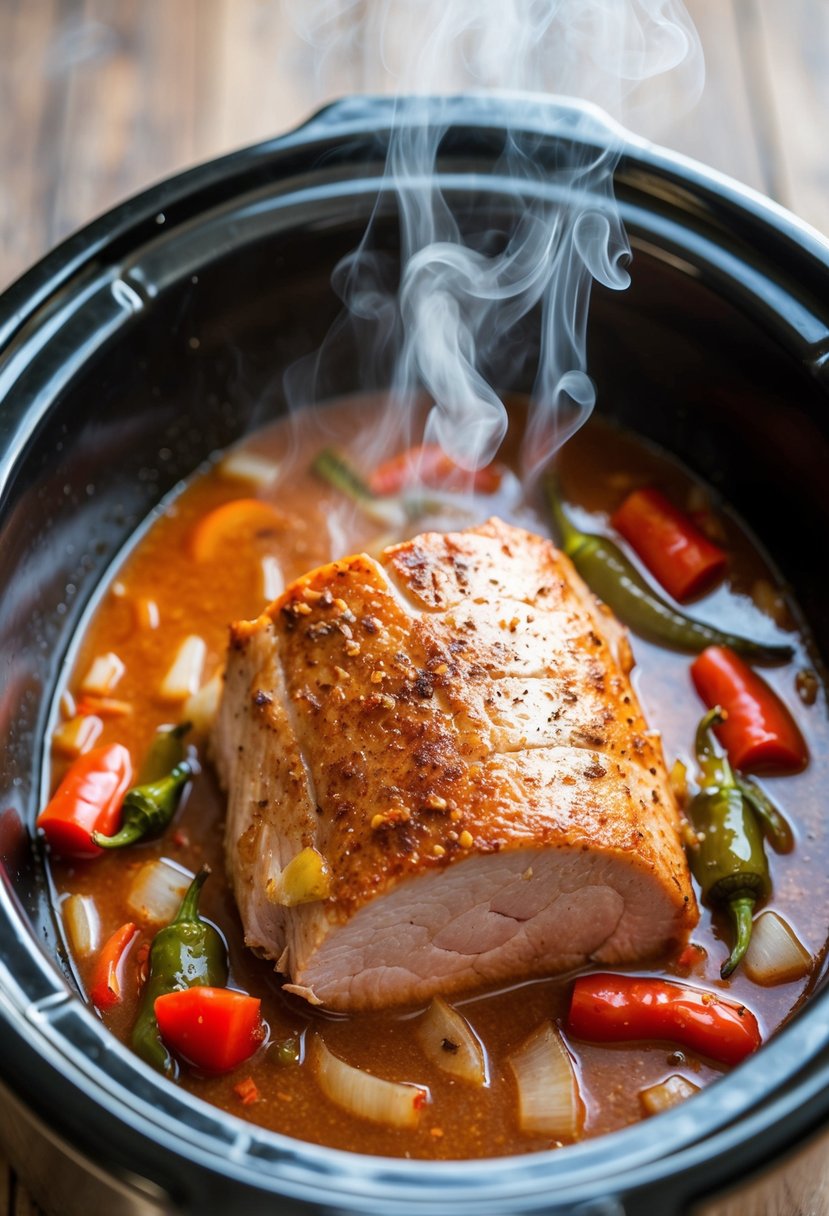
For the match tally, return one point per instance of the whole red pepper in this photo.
(609, 1008)
(672, 547)
(758, 731)
(87, 800)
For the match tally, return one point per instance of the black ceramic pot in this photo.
(150, 339)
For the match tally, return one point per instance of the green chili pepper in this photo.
(147, 809)
(165, 752)
(390, 510)
(775, 828)
(187, 953)
(614, 579)
(728, 861)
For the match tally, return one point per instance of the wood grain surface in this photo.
(100, 98)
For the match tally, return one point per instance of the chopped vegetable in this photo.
(677, 554)
(273, 581)
(78, 735)
(608, 1008)
(395, 1103)
(237, 521)
(614, 579)
(450, 1042)
(306, 878)
(250, 467)
(334, 469)
(247, 1091)
(166, 751)
(201, 708)
(148, 809)
(188, 953)
(88, 799)
(757, 730)
(549, 1103)
(147, 615)
(156, 891)
(104, 674)
(215, 1029)
(184, 676)
(667, 1094)
(106, 988)
(775, 955)
(728, 860)
(83, 925)
(428, 465)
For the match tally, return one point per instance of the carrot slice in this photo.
(216, 1029)
(673, 548)
(237, 520)
(428, 465)
(107, 984)
(87, 800)
(759, 732)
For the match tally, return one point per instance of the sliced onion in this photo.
(549, 1102)
(774, 955)
(78, 735)
(156, 892)
(184, 676)
(393, 1103)
(450, 1042)
(668, 1093)
(147, 615)
(83, 925)
(249, 467)
(273, 580)
(104, 674)
(201, 708)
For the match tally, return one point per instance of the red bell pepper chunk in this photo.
(216, 1029)
(670, 544)
(758, 732)
(620, 1008)
(428, 465)
(107, 986)
(87, 800)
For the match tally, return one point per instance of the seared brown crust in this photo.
(464, 696)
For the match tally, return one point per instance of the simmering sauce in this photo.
(167, 589)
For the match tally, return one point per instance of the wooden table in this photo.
(103, 97)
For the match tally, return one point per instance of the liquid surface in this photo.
(163, 593)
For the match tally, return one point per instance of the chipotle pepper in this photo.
(728, 860)
(614, 579)
(187, 953)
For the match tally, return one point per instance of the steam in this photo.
(456, 324)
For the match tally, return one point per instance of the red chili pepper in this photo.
(618, 1008)
(681, 557)
(106, 988)
(759, 732)
(87, 800)
(428, 465)
(216, 1029)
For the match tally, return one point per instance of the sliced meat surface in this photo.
(451, 735)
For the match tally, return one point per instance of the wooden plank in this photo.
(720, 131)
(796, 53)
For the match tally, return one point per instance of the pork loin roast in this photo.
(439, 776)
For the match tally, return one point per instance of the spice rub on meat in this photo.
(439, 776)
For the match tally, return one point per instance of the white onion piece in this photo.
(249, 467)
(393, 1103)
(83, 925)
(156, 892)
(201, 708)
(668, 1093)
(184, 676)
(104, 674)
(450, 1042)
(549, 1103)
(273, 580)
(78, 735)
(774, 954)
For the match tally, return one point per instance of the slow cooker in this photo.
(161, 333)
